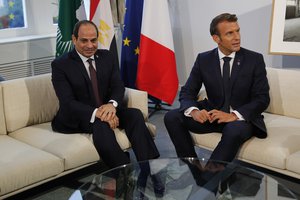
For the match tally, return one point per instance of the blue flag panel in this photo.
(131, 41)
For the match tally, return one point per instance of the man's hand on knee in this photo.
(200, 115)
(106, 112)
(222, 117)
(113, 123)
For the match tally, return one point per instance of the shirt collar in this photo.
(222, 55)
(83, 58)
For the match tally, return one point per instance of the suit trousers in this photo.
(142, 143)
(234, 134)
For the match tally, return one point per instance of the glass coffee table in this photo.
(186, 178)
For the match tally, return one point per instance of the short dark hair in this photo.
(221, 18)
(83, 22)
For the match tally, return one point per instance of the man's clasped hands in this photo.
(107, 113)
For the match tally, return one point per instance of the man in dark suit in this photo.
(235, 98)
(97, 109)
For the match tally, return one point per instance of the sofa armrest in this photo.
(137, 99)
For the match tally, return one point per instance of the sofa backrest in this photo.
(2, 121)
(284, 91)
(28, 101)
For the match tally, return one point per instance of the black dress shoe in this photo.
(158, 185)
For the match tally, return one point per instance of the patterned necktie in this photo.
(226, 84)
(93, 76)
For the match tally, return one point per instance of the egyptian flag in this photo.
(156, 71)
(100, 14)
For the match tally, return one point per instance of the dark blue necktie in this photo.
(226, 84)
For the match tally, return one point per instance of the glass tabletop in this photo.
(183, 178)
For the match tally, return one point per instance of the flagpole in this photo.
(157, 105)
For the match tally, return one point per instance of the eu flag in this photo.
(131, 40)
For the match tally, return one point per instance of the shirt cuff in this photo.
(93, 116)
(239, 116)
(114, 103)
(188, 111)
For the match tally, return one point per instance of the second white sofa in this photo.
(280, 151)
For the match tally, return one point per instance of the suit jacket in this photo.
(73, 88)
(248, 82)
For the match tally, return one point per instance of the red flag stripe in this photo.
(93, 7)
(157, 70)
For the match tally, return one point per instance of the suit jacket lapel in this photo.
(80, 66)
(217, 69)
(236, 67)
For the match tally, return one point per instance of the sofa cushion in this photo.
(284, 92)
(283, 140)
(2, 120)
(74, 149)
(293, 162)
(28, 101)
(22, 164)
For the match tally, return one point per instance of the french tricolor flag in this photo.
(156, 72)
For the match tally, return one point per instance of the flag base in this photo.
(157, 106)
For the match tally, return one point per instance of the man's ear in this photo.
(216, 38)
(73, 39)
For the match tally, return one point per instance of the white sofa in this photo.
(31, 153)
(280, 151)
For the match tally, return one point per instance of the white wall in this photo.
(41, 15)
(191, 20)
